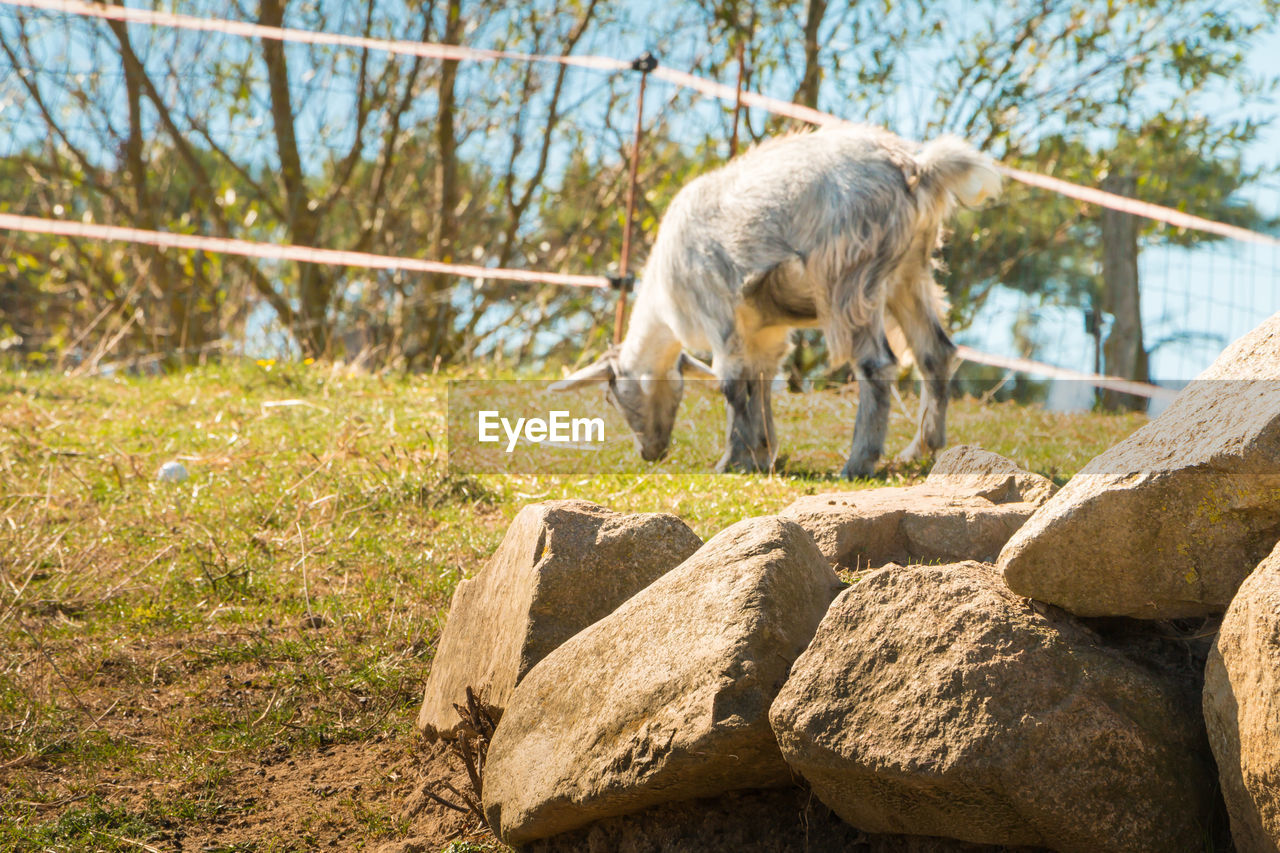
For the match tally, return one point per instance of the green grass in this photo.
(159, 641)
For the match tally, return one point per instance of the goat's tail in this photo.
(949, 168)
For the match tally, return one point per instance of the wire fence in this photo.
(1194, 299)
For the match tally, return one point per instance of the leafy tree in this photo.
(236, 125)
(522, 164)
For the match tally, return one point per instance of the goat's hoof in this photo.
(723, 467)
(744, 463)
(859, 469)
(913, 452)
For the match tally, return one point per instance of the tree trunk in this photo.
(811, 82)
(1124, 352)
(311, 326)
(168, 334)
(436, 314)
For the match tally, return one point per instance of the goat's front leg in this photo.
(875, 367)
(750, 442)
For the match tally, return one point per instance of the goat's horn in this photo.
(601, 371)
(690, 366)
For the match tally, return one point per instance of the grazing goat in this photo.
(827, 229)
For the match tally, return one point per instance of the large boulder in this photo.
(933, 701)
(562, 566)
(967, 469)
(668, 697)
(971, 503)
(909, 524)
(1167, 523)
(1242, 709)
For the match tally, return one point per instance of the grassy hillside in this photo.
(190, 664)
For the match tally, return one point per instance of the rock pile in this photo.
(1017, 685)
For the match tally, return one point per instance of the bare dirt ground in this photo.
(317, 797)
(123, 780)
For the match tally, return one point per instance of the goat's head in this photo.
(646, 399)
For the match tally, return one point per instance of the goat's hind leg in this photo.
(875, 367)
(934, 353)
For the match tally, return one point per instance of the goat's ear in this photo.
(692, 368)
(601, 371)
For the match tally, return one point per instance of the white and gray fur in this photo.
(833, 229)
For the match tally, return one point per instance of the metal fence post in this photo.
(644, 63)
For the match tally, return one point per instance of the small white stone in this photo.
(172, 472)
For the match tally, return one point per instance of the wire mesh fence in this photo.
(519, 165)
